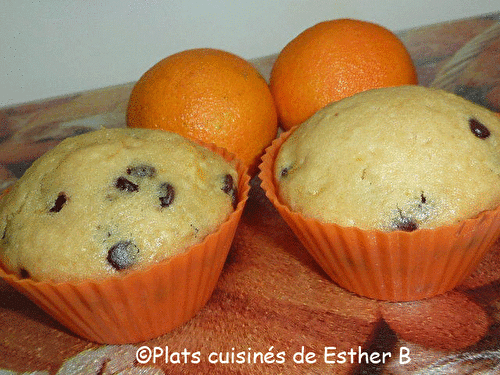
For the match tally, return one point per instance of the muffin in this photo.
(125, 210)
(391, 178)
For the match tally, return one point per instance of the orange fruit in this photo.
(332, 60)
(210, 95)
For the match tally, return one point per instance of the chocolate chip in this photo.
(141, 171)
(478, 129)
(284, 172)
(423, 199)
(126, 185)
(167, 194)
(24, 274)
(122, 255)
(195, 230)
(230, 188)
(406, 224)
(228, 184)
(59, 203)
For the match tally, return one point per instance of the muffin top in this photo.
(398, 158)
(113, 200)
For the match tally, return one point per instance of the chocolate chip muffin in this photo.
(390, 159)
(113, 200)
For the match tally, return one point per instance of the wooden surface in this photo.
(272, 299)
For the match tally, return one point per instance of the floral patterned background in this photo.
(272, 297)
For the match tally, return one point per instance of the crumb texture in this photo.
(113, 200)
(398, 158)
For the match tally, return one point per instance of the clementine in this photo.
(332, 60)
(210, 95)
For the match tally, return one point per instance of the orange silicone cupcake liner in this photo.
(393, 266)
(143, 304)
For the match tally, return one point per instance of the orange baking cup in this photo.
(393, 266)
(142, 304)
